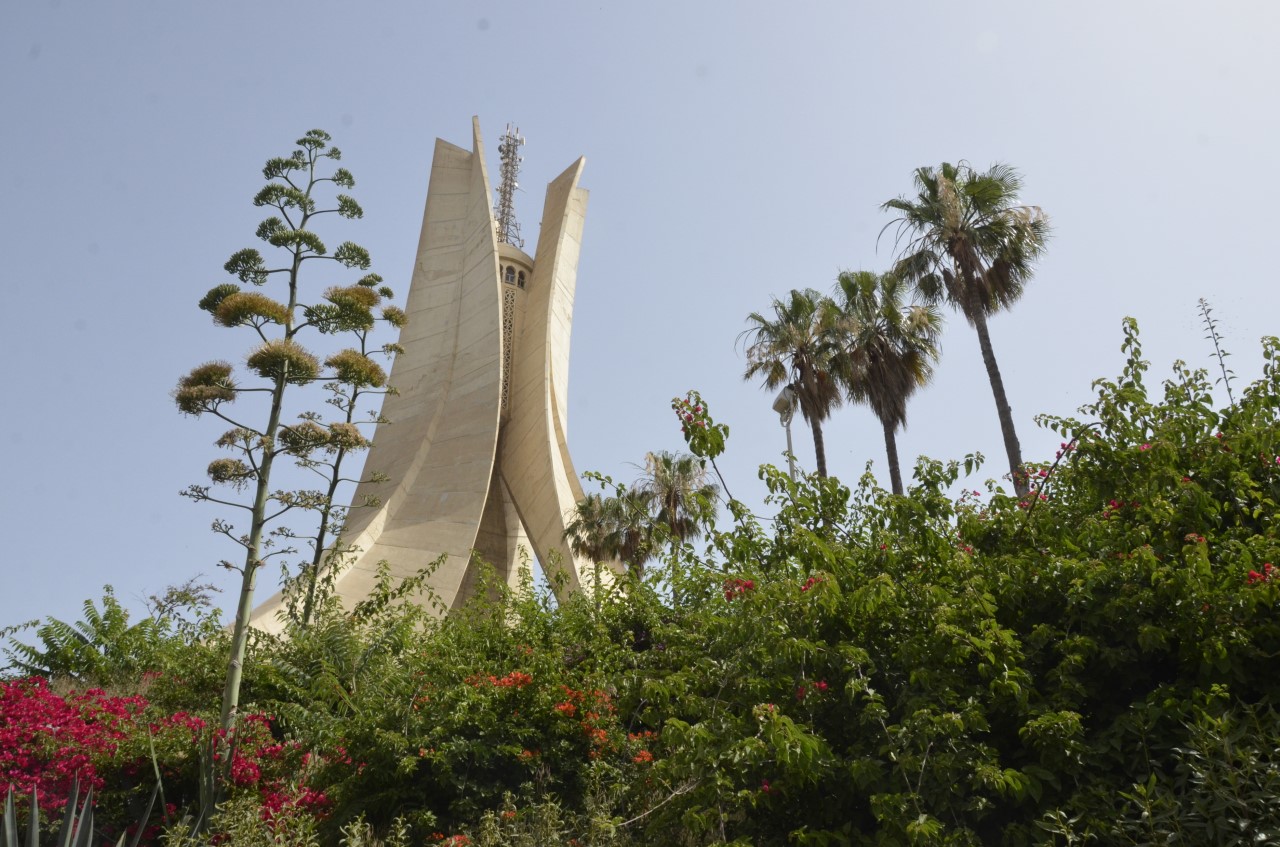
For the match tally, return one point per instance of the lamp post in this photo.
(785, 405)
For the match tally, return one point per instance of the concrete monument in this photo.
(475, 451)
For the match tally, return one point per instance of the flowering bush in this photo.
(49, 742)
(499, 701)
(1002, 668)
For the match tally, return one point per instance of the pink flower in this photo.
(1145, 447)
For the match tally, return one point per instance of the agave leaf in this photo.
(142, 821)
(84, 828)
(33, 823)
(155, 764)
(10, 820)
(208, 784)
(67, 830)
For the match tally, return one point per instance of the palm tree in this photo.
(971, 244)
(682, 498)
(604, 529)
(798, 347)
(672, 494)
(889, 350)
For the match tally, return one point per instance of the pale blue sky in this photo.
(734, 151)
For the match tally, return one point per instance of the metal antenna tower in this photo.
(504, 211)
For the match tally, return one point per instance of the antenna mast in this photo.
(504, 211)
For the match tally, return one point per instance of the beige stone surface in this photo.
(475, 452)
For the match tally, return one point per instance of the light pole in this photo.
(785, 405)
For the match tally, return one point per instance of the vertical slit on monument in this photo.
(508, 320)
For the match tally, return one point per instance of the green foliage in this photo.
(1091, 662)
(505, 696)
(107, 650)
(671, 504)
(705, 437)
(241, 822)
(945, 671)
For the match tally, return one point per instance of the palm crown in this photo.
(889, 348)
(968, 239)
(799, 347)
(970, 243)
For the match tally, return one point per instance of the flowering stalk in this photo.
(280, 361)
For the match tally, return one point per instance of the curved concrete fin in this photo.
(545, 489)
(438, 452)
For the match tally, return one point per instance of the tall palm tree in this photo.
(969, 243)
(798, 347)
(888, 350)
(682, 497)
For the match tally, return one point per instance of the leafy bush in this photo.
(1093, 661)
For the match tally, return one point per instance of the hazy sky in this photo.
(734, 151)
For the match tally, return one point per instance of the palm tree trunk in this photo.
(819, 447)
(1011, 446)
(891, 447)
